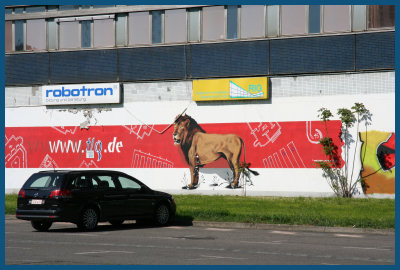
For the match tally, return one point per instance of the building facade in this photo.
(101, 86)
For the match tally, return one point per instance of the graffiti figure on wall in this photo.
(378, 156)
(201, 148)
(16, 154)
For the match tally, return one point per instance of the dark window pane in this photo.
(156, 26)
(18, 10)
(314, 19)
(35, 9)
(232, 22)
(19, 35)
(103, 6)
(86, 34)
(381, 16)
(8, 10)
(70, 7)
(52, 8)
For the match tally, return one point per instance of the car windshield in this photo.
(46, 181)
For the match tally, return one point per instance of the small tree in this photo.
(340, 178)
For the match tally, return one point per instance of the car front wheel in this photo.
(88, 220)
(41, 226)
(162, 215)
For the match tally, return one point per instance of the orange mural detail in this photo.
(378, 161)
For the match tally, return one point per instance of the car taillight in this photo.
(21, 194)
(64, 193)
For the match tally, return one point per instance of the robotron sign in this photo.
(100, 93)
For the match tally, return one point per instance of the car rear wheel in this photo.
(162, 215)
(117, 222)
(88, 220)
(41, 226)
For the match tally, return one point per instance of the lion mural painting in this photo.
(201, 148)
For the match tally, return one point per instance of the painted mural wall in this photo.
(280, 136)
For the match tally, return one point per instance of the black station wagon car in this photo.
(87, 197)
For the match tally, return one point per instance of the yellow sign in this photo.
(230, 89)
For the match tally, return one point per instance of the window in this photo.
(104, 181)
(81, 182)
(52, 35)
(35, 35)
(273, 21)
(380, 16)
(104, 33)
(194, 24)
(44, 181)
(139, 28)
(86, 34)
(52, 8)
(314, 19)
(103, 6)
(19, 10)
(19, 35)
(70, 7)
(69, 35)
(35, 9)
(213, 23)
(127, 183)
(252, 21)
(8, 10)
(293, 20)
(120, 28)
(359, 18)
(156, 26)
(175, 26)
(232, 22)
(336, 18)
(8, 36)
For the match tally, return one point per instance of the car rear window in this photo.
(48, 181)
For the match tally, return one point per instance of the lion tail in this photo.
(247, 165)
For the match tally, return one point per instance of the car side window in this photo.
(81, 181)
(106, 181)
(127, 183)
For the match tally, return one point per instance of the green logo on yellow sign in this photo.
(229, 89)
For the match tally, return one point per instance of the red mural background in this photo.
(268, 145)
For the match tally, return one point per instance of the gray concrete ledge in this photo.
(280, 227)
(284, 227)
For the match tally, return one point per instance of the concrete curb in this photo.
(280, 227)
(293, 228)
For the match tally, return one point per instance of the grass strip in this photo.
(332, 212)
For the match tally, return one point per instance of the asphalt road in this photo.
(192, 245)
